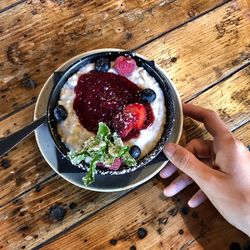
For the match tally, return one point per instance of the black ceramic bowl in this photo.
(150, 67)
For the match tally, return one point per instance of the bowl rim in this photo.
(71, 62)
(150, 67)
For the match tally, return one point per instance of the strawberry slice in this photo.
(133, 116)
(123, 123)
(138, 111)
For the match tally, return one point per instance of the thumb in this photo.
(188, 163)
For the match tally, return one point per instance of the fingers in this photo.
(200, 148)
(177, 185)
(189, 164)
(198, 198)
(168, 170)
(214, 125)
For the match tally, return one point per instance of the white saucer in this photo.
(102, 183)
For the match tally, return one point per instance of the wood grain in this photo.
(15, 122)
(24, 117)
(231, 103)
(33, 216)
(27, 166)
(196, 55)
(57, 191)
(146, 207)
(229, 98)
(38, 36)
(206, 49)
(8, 4)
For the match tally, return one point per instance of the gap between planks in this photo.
(229, 75)
(184, 246)
(218, 81)
(182, 24)
(210, 86)
(133, 49)
(223, 78)
(91, 214)
(11, 6)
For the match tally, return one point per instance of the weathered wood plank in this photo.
(206, 49)
(45, 201)
(38, 36)
(230, 98)
(15, 122)
(232, 103)
(146, 207)
(67, 198)
(22, 170)
(24, 116)
(8, 4)
(178, 69)
(51, 194)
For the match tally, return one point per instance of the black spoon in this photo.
(10, 141)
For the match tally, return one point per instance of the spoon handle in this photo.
(8, 142)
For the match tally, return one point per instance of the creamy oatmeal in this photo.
(73, 134)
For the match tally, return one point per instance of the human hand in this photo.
(220, 167)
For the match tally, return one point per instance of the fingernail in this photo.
(167, 193)
(191, 204)
(169, 149)
(162, 174)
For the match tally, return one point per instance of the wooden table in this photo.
(204, 45)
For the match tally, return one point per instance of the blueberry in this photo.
(180, 232)
(60, 113)
(102, 64)
(57, 212)
(135, 151)
(5, 163)
(185, 210)
(72, 205)
(142, 232)
(113, 242)
(147, 95)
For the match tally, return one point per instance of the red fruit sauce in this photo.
(100, 96)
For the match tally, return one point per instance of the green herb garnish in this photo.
(105, 147)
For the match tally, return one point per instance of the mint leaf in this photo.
(103, 130)
(117, 140)
(104, 148)
(90, 176)
(90, 143)
(77, 157)
(118, 149)
(129, 160)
